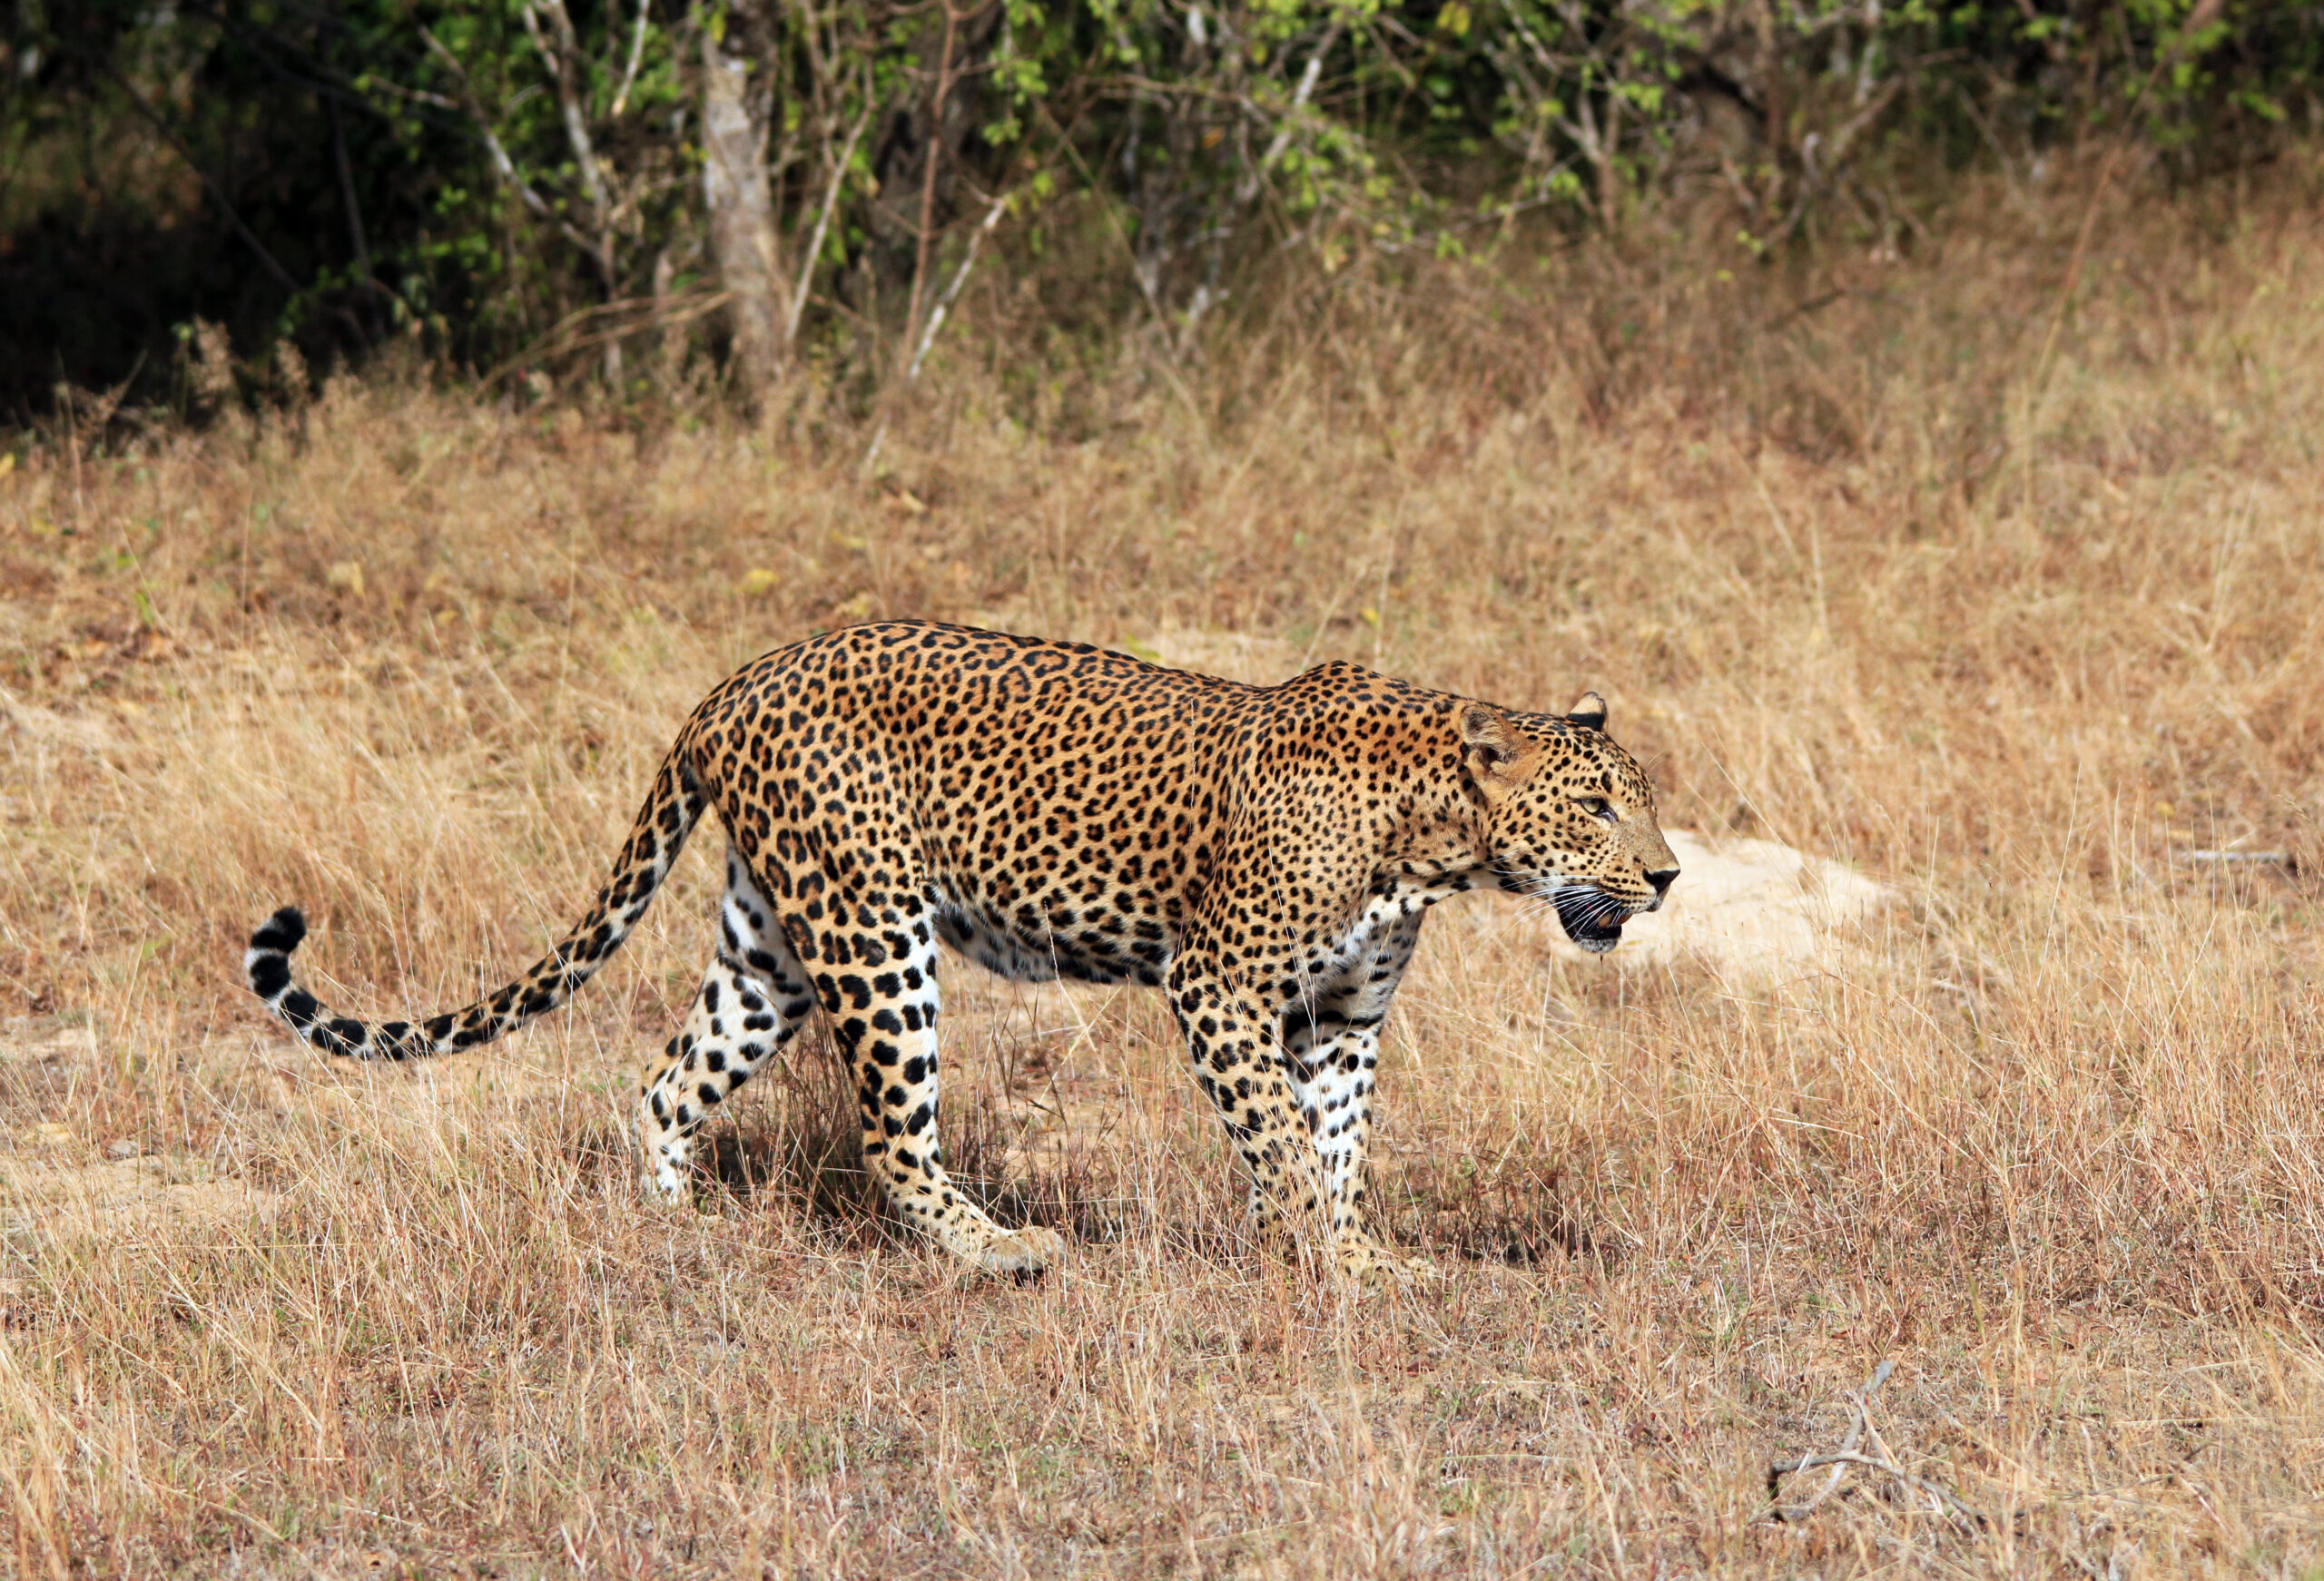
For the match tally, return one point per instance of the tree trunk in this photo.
(742, 222)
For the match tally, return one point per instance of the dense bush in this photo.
(621, 189)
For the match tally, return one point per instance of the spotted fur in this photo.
(1265, 854)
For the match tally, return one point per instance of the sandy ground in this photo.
(53, 1192)
(58, 1186)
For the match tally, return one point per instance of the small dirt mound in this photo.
(1751, 906)
(129, 1196)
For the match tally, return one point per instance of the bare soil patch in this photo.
(1755, 907)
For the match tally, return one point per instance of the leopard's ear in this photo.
(1590, 712)
(1498, 756)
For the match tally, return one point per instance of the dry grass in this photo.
(1851, 578)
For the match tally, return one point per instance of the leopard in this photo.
(1264, 854)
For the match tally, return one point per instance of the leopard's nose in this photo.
(1660, 878)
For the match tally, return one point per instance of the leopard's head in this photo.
(1569, 817)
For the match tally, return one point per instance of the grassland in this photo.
(2005, 593)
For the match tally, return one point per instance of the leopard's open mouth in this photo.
(1592, 918)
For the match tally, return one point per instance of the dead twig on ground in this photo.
(1883, 1460)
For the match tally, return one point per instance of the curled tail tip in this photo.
(281, 933)
(267, 963)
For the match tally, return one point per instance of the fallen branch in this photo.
(1883, 1460)
(2231, 858)
(1848, 1447)
(562, 341)
(1969, 1520)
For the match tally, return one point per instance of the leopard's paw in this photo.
(666, 1189)
(1369, 1262)
(1023, 1252)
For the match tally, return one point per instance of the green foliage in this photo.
(520, 179)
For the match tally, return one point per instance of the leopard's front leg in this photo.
(1232, 1042)
(1331, 1051)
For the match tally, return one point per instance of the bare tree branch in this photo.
(1249, 187)
(636, 53)
(953, 17)
(959, 277)
(806, 272)
(562, 62)
(501, 164)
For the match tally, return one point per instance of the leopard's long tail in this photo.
(672, 808)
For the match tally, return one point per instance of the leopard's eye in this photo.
(1598, 807)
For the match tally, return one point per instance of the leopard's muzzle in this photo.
(1593, 918)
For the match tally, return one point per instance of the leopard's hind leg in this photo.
(754, 996)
